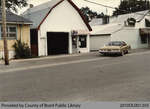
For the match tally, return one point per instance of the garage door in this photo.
(98, 41)
(57, 43)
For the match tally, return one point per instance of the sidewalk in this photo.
(25, 63)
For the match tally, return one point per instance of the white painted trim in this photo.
(88, 43)
(39, 45)
(18, 23)
(70, 43)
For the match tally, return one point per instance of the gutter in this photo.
(18, 23)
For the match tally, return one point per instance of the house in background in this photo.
(120, 28)
(100, 21)
(18, 28)
(101, 35)
(58, 28)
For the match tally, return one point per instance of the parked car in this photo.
(115, 47)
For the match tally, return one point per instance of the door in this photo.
(96, 42)
(34, 42)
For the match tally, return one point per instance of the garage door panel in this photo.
(98, 41)
(57, 43)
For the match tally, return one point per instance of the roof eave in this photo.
(27, 23)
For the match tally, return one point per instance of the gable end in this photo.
(76, 8)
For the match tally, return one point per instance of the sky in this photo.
(82, 3)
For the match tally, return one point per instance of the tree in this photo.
(129, 6)
(14, 4)
(89, 14)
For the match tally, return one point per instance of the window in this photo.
(83, 41)
(114, 43)
(144, 39)
(74, 41)
(11, 32)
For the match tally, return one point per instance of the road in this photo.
(88, 77)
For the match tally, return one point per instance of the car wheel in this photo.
(122, 53)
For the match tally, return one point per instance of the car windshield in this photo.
(114, 44)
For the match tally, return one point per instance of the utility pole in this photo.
(4, 35)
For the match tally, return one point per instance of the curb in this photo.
(68, 55)
(46, 57)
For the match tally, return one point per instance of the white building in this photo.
(58, 28)
(118, 29)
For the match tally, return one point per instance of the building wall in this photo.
(141, 24)
(23, 31)
(129, 35)
(63, 18)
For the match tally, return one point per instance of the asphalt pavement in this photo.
(80, 77)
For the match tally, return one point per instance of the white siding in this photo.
(129, 35)
(140, 24)
(63, 18)
(11, 54)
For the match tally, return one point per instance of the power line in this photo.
(112, 7)
(101, 4)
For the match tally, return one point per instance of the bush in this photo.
(22, 50)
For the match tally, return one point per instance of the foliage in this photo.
(22, 50)
(89, 14)
(14, 4)
(129, 6)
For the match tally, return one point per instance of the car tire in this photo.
(122, 53)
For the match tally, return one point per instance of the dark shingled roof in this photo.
(13, 18)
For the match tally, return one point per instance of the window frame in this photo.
(83, 44)
(9, 32)
(144, 39)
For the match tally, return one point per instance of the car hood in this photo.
(111, 47)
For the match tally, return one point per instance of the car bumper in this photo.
(110, 52)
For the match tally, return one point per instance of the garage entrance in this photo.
(97, 42)
(57, 43)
